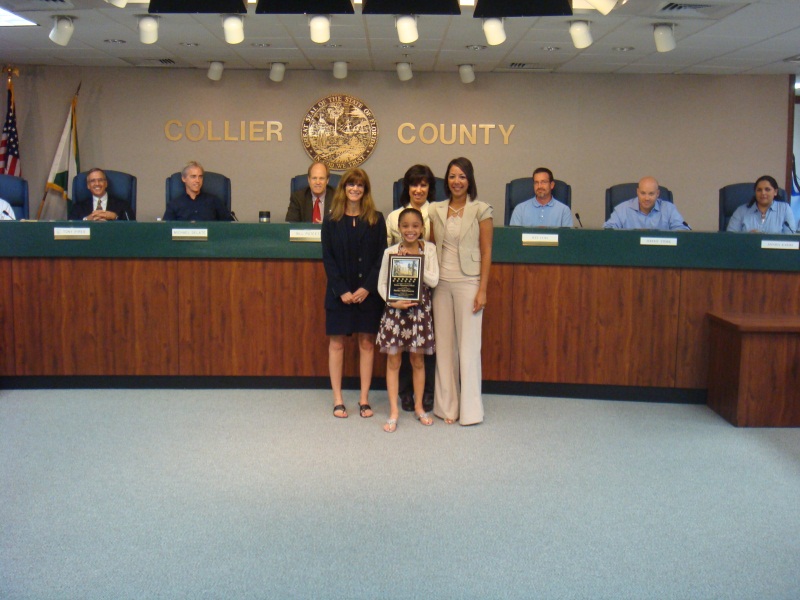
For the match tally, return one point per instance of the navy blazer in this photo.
(81, 210)
(336, 257)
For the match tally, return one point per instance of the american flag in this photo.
(9, 143)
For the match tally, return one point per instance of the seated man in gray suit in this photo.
(308, 205)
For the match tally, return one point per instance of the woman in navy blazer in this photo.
(353, 241)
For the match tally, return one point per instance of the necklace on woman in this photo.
(456, 211)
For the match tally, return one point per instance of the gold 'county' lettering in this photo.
(447, 134)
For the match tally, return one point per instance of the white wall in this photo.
(693, 133)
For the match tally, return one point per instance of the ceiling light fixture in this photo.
(277, 71)
(118, 3)
(494, 31)
(466, 73)
(62, 30)
(340, 69)
(603, 6)
(581, 34)
(664, 36)
(215, 70)
(233, 27)
(148, 29)
(404, 72)
(320, 26)
(406, 29)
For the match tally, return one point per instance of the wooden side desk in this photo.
(754, 369)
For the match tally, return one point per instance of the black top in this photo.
(203, 208)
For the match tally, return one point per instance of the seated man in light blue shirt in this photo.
(6, 212)
(542, 210)
(646, 211)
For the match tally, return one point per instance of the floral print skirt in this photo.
(409, 329)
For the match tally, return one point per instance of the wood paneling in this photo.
(256, 318)
(252, 317)
(496, 352)
(754, 371)
(595, 325)
(95, 317)
(704, 291)
(6, 319)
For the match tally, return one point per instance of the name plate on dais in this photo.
(540, 239)
(71, 233)
(779, 245)
(657, 241)
(305, 235)
(405, 278)
(190, 235)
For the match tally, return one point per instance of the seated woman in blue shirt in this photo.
(763, 214)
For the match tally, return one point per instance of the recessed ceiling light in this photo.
(260, 45)
(115, 41)
(623, 48)
(475, 47)
(551, 48)
(9, 19)
(189, 44)
(404, 46)
(331, 45)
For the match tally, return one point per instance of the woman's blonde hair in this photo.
(368, 211)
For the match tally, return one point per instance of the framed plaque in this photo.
(405, 278)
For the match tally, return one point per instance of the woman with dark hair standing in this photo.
(462, 231)
(353, 241)
(419, 190)
(763, 214)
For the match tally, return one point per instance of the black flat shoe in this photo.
(362, 408)
(427, 402)
(407, 402)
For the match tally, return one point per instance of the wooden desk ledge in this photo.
(757, 323)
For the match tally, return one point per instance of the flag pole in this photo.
(59, 179)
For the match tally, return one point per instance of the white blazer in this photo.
(469, 243)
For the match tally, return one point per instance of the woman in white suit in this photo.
(462, 231)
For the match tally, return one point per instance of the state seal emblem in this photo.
(340, 131)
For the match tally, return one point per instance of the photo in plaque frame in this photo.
(405, 277)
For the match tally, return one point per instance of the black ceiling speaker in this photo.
(488, 9)
(223, 7)
(304, 7)
(411, 7)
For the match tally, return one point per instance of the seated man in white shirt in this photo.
(6, 212)
(542, 210)
(646, 211)
(100, 207)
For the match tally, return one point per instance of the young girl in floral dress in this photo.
(406, 325)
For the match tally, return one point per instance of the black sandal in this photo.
(362, 408)
(339, 411)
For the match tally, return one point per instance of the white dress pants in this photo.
(457, 393)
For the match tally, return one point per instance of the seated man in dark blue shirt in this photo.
(194, 205)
